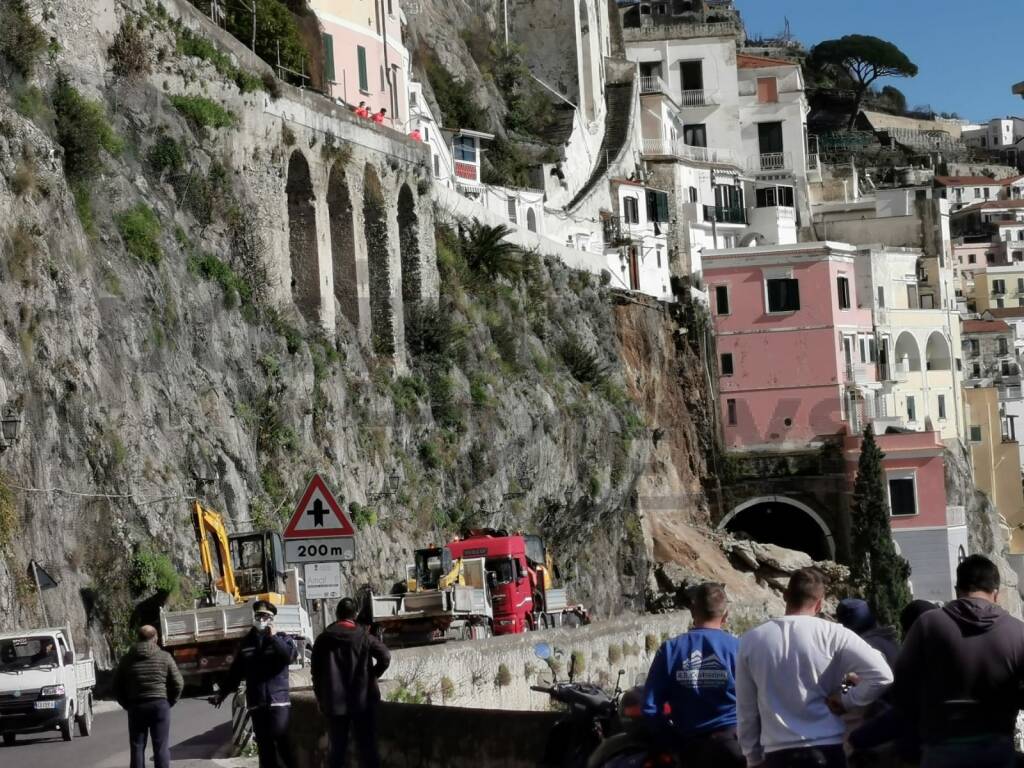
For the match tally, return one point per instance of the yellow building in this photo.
(999, 287)
(996, 460)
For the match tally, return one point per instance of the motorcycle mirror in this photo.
(618, 681)
(542, 651)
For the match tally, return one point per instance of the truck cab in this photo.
(511, 580)
(43, 686)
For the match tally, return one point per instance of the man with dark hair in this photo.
(347, 661)
(147, 684)
(262, 660)
(959, 674)
(790, 674)
(695, 674)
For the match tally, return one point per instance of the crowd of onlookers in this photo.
(800, 690)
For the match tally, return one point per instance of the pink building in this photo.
(796, 355)
(931, 535)
(364, 56)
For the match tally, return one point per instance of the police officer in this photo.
(262, 660)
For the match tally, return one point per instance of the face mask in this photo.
(260, 623)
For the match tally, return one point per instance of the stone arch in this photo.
(908, 353)
(587, 37)
(409, 248)
(343, 244)
(785, 522)
(302, 238)
(531, 220)
(936, 353)
(375, 227)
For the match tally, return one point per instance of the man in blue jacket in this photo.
(262, 660)
(695, 675)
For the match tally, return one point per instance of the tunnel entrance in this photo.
(783, 522)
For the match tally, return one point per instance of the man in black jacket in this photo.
(347, 660)
(262, 660)
(147, 684)
(958, 675)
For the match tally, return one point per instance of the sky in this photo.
(967, 53)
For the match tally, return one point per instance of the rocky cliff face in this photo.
(147, 377)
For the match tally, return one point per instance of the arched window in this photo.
(531, 220)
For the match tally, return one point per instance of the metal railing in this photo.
(771, 161)
(652, 84)
(721, 214)
(695, 98)
(812, 162)
(616, 231)
(688, 152)
(861, 373)
(649, 31)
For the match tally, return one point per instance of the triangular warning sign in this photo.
(318, 514)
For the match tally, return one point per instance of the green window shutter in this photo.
(328, 58)
(364, 82)
(662, 199)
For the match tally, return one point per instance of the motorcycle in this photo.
(591, 716)
(640, 742)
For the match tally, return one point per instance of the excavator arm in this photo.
(214, 552)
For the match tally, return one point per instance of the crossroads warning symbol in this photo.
(318, 514)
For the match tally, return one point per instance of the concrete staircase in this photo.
(619, 101)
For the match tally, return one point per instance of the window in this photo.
(631, 211)
(975, 347)
(391, 10)
(769, 197)
(998, 286)
(657, 206)
(692, 73)
(437, 166)
(769, 137)
(464, 149)
(693, 194)
(902, 496)
(911, 408)
(657, 252)
(986, 193)
(872, 350)
(531, 220)
(783, 294)
(942, 407)
(843, 289)
(726, 364)
(975, 435)
(426, 133)
(881, 297)
(364, 80)
(970, 258)
(722, 299)
(383, 81)
(975, 370)
(977, 193)
(328, 58)
(695, 135)
(1001, 343)
(512, 210)
(767, 90)
(999, 303)
(730, 408)
(1004, 367)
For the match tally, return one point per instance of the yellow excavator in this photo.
(239, 566)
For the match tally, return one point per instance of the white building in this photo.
(998, 133)
(962, 191)
(422, 119)
(635, 239)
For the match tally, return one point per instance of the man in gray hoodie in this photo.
(147, 683)
(959, 674)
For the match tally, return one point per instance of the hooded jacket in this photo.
(885, 641)
(262, 660)
(959, 671)
(146, 673)
(347, 660)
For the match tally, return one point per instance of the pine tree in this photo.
(876, 569)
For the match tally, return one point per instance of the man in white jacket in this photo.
(790, 673)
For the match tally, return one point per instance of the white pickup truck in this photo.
(44, 684)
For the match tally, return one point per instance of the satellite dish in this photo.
(446, 560)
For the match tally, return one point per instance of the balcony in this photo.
(682, 31)
(771, 162)
(861, 373)
(721, 214)
(697, 98)
(689, 152)
(616, 231)
(652, 84)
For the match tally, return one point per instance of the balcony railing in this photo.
(682, 31)
(688, 152)
(771, 161)
(616, 231)
(721, 214)
(812, 162)
(696, 98)
(861, 373)
(652, 84)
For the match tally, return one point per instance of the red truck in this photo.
(520, 577)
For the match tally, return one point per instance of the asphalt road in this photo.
(198, 731)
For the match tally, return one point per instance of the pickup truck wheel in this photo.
(85, 720)
(9, 739)
(67, 728)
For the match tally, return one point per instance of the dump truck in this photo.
(45, 685)
(487, 583)
(241, 568)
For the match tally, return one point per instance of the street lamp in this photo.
(10, 427)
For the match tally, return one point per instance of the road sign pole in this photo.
(39, 591)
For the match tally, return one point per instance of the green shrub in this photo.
(82, 130)
(506, 164)
(430, 455)
(650, 643)
(166, 155)
(206, 197)
(442, 400)
(9, 523)
(433, 335)
(614, 654)
(277, 34)
(140, 230)
(503, 678)
(362, 517)
(21, 41)
(406, 393)
(489, 255)
(130, 52)
(447, 688)
(454, 98)
(152, 572)
(83, 207)
(190, 44)
(579, 663)
(236, 290)
(201, 112)
(582, 362)
(30, 102)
